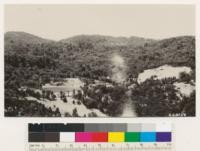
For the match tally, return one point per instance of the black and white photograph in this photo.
(105, 60)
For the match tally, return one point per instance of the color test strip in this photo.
(67, 137)
(99, 137)
(147, 137)
(132, 137)
(148, 127)
(90, 127)
(44, 137)
(57, 127)
(163, 127)
(136, 127)
(91, 137)
(116, 137)
(163, 136)
(63, 127)
(94, 132)
(52, 137)
(36, 137)
(83, 137)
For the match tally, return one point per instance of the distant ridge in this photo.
(23, 38)
(27, 38)
(108, 40)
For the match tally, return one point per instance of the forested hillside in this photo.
(90, 56)
(32, 61)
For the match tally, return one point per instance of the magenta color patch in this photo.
(83, 137)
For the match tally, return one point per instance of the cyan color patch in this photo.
(148, 137)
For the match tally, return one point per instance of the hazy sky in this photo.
(62, 21)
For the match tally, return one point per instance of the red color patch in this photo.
(99, 136)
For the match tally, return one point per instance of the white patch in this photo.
(165, 71)
(67, 107)
(184, 89)
(69, 84)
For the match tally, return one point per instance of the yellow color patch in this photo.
(115, 136)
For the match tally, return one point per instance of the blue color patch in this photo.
(148, 137)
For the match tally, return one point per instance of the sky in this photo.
(62, 21)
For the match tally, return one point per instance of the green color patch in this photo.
(132, 137)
